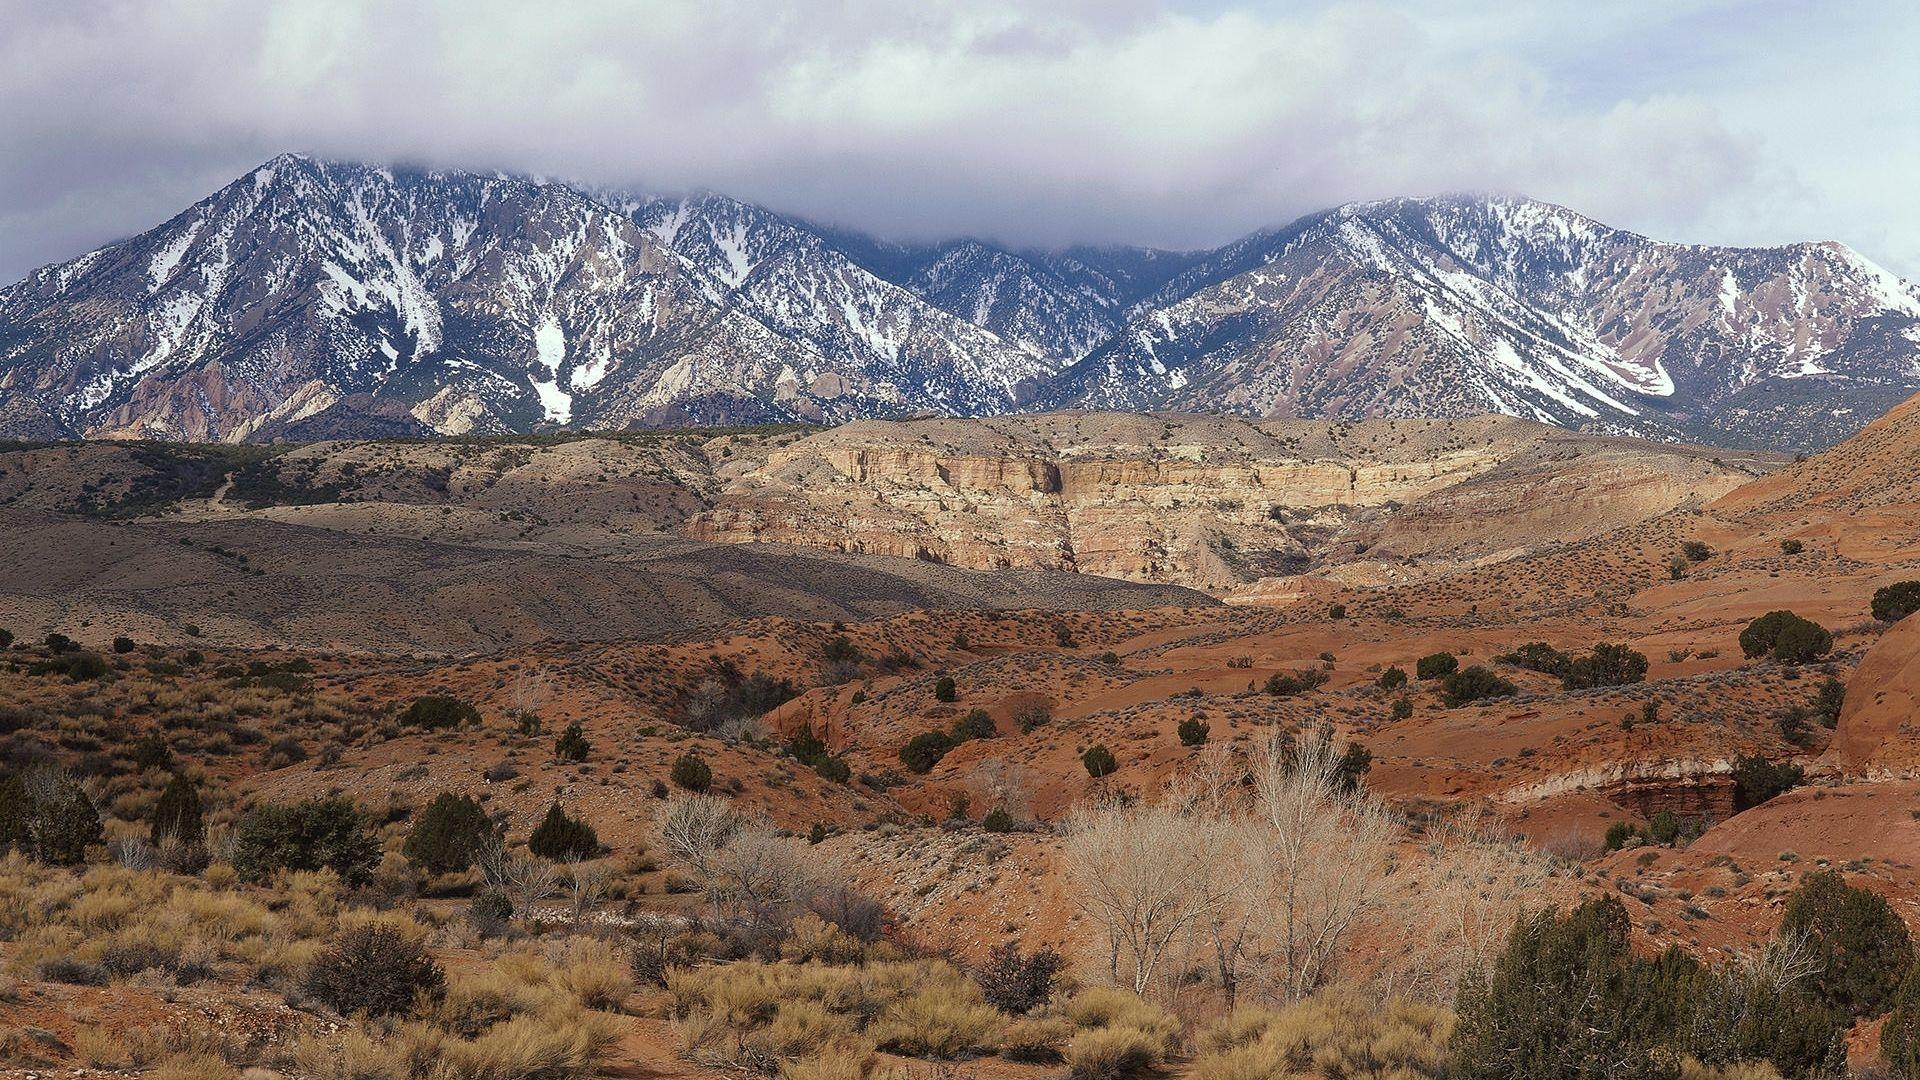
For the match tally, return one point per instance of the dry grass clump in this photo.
(1753, 1070)
(1120, 1034)
(823, 1019)
(1338, 1034)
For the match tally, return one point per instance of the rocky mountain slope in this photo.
(314, 299)
(1454, 306)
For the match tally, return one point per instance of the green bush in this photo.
(1193, 732)
(1392, 679)
(374, 969)
(46, 814)
(178, 813)
(572, 745)
(925, 750)
(1568, 997)
(691, 771)
(76, 666)
(1862, 944)
(1663, 827)
(1606, 665)
(975, 725)
(1897, 601)
(1472, 684)
(1791, 547)
(1785, 637)
(998, 820)
(945, 689)
(448, 833)
(1900, 1035)
(1298, 682)
(1755, 780)
(1033, 714)
(123, 645)
(1355, 763)
(1617, 836)
(307, 835)
(1336, 611)
(561, 837)
(1436, 665)
(1828, 701)
(1537, 656)
(439, 711)
(1695, 551)
(1099, 761)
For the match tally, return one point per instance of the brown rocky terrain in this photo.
(581, 581)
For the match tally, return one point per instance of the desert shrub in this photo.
(1392, 679)
(1032, 714)
(944, 689)
(1355, 762)
(177, 814)
(438, 711)
(813, 940)
(975, 725)
(1099, 761)
(374, 968)
(1753, 1013)
(944, 1021)
(1900, 1035)
(691, 772)
(1828, 701)
(1336, 611)
(1296, 682)
(1791, 547)
(1113, 1053)
(559, 836)
(1695, 551)
(1015, 982)
(1607, 665)
(1338, 1034)
(856, 914)
(572, 744)
(1436, 665)
(123, 645)
(1400, 709)
(1537, 656)
(1862, 945)
(1663, 827)
(998, 820)
(75, 666)
(1192, 731)
(46, 814)
(1785, 637)
(1036, 1040)
(1891, 603)
(1755, 780)
(1472, 684)
(1568, 997)
(925, 750)
(1617, 836)
(448, 833)
(490, 908)
(811, 751)
(311, 835)
(560, 1046)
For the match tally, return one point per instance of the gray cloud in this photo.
(1033, 122)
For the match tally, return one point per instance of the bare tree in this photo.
(762, 868)
(695, 829)
(1455, 903)
(1147, 874)
(524, 879)
(587, 883)
(1325, 851)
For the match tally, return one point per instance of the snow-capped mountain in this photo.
(313, 298)
(1459, 305)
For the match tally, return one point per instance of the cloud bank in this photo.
(1045, 123)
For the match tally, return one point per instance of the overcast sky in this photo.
(1172, 122)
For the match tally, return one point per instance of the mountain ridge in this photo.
(311, 294)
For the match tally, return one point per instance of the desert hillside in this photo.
(934, 684)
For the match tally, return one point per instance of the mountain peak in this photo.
(479, 302)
